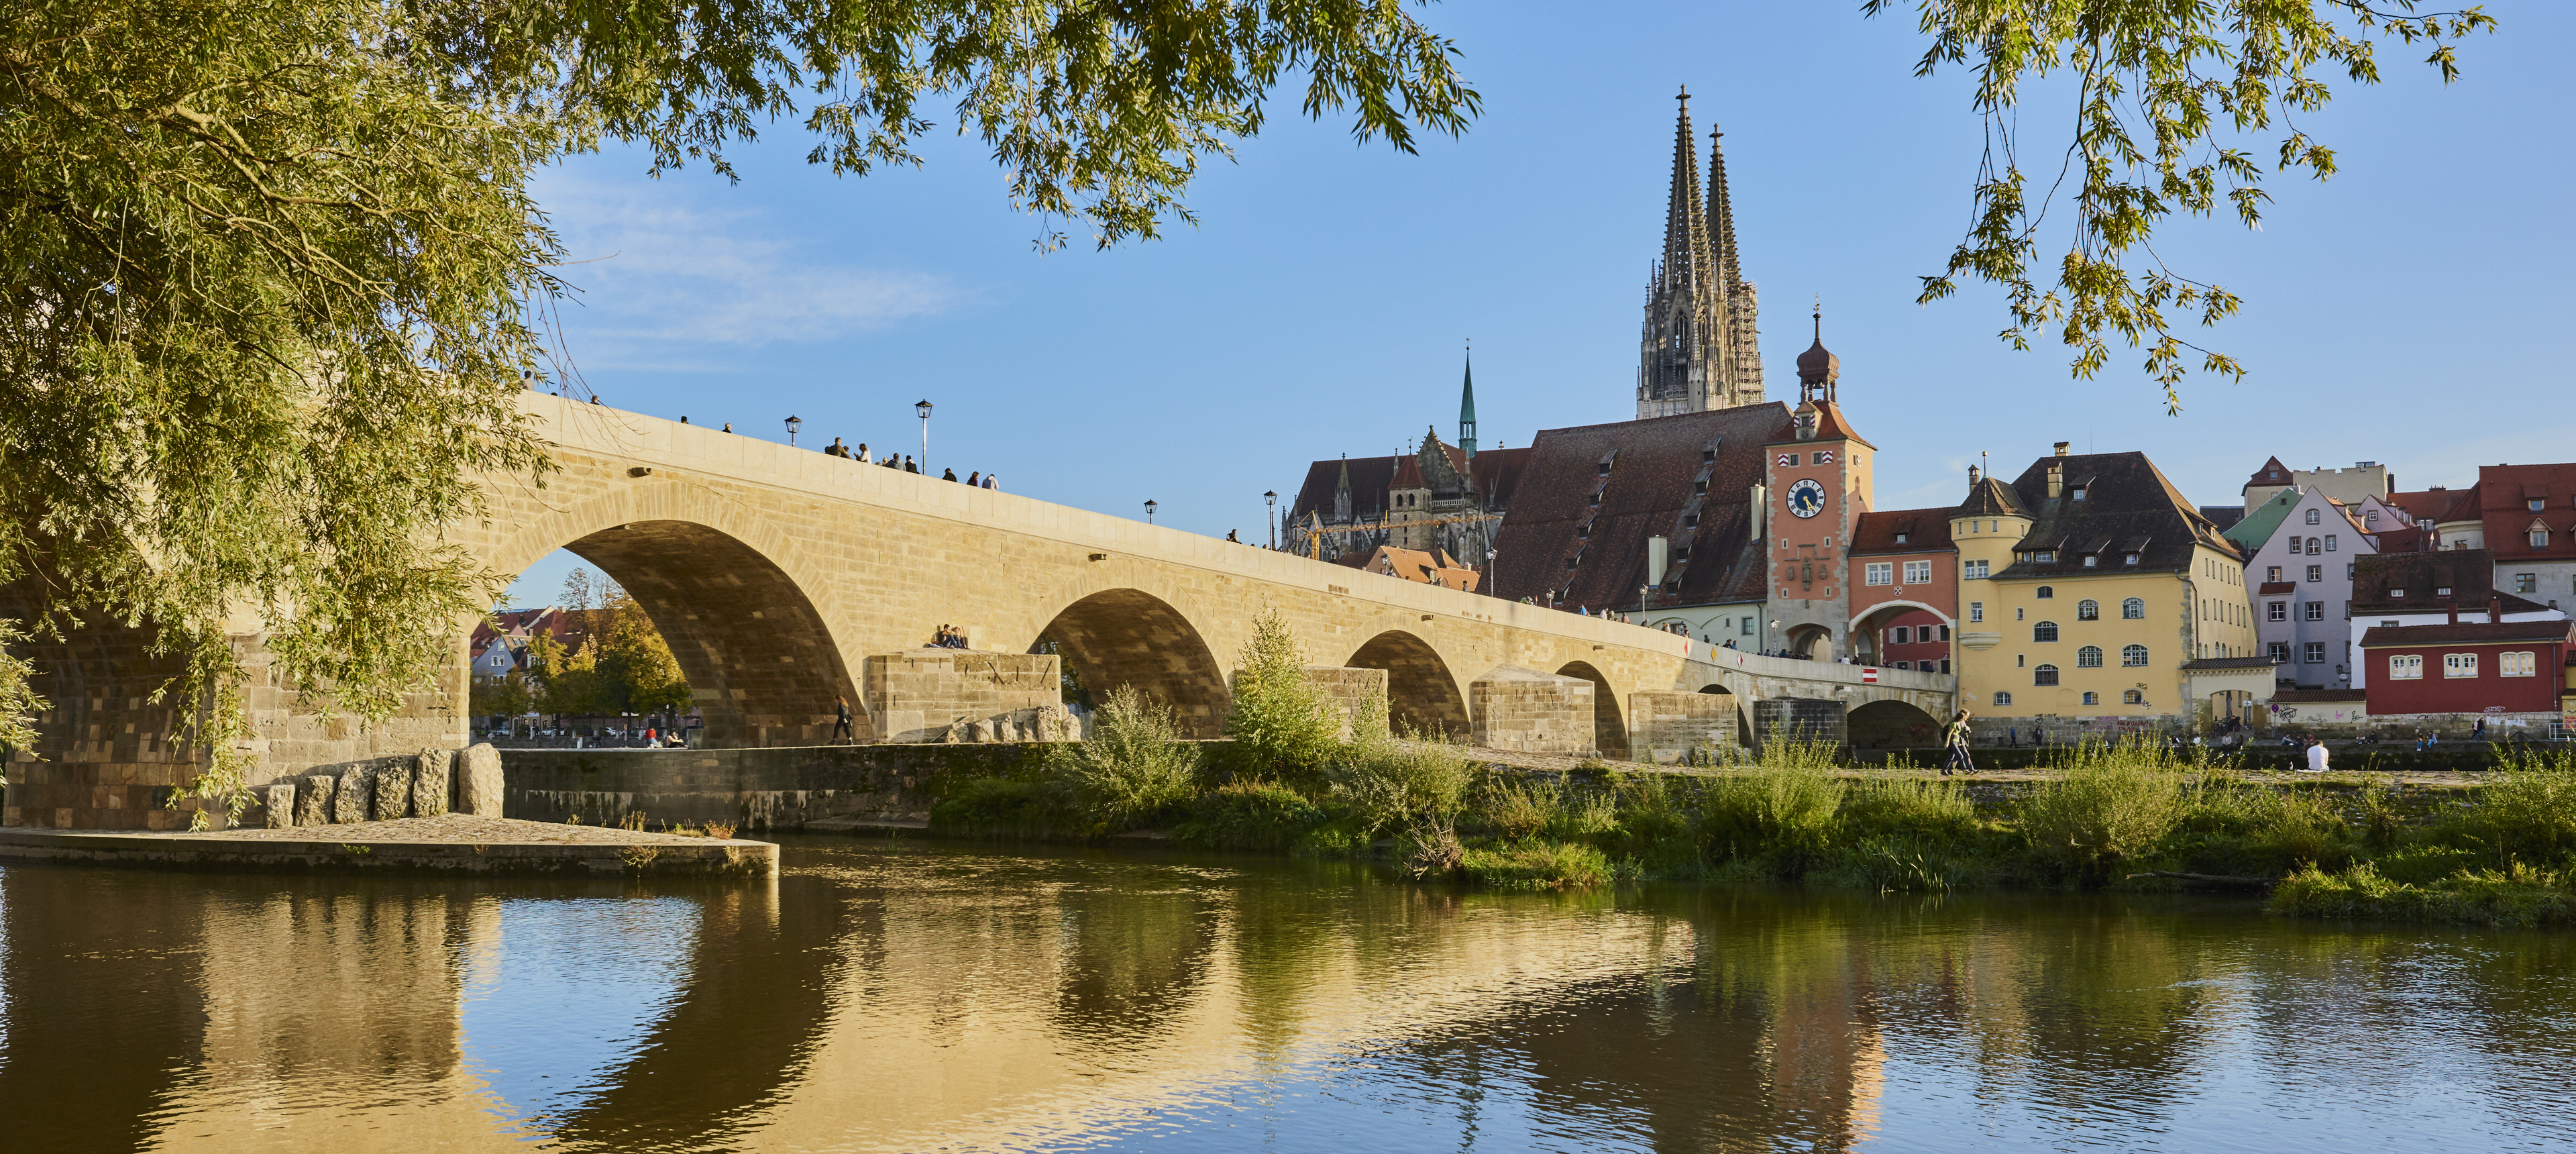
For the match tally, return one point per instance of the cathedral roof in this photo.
(1655, 468)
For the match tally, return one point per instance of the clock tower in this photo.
(1816, 485)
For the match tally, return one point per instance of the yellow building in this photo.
(2094, 600)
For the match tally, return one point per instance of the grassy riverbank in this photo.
(2127, 816)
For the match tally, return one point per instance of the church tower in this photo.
(1700, 346)
(1467, 410)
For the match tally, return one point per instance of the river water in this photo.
(909, 996)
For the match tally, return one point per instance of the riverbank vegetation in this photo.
(1298, 778)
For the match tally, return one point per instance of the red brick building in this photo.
(2470, 667)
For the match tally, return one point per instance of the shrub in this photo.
(1409, 789)
(1782, 805)
(1937, 811)
(1134, 768)
(2110, 802)
(1515, 808)
(1898, 864)
(1248, 815)
(1008, 809)
(1281, 726)
(2527, 814)
(1535, 864)
(2517, 896)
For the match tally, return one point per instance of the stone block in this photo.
(1669, 727)
(1345, 690)
(277, 800)
(1531, 712)
(355, 800)
(943, 695)
(429, 773)
(392, 776)
(478, 781)
(313, 796)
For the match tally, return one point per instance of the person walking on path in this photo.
(2316, 755)
(1956, 738)
(862, 455)
(841, 730)
(948, 475)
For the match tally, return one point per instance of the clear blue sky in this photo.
(2408, 311)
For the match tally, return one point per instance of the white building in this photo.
(2301, 547)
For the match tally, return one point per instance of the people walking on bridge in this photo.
(909, 466)
(990, 483)
(948, 474)
(974, 480)
(841, 730)
(1955, 738)
(862, 455)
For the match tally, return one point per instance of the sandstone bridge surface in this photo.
(785, 579)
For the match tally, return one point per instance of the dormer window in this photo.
(1604, 469)
(2076, 493)
(2537, 503)
(2396, 594)
(1900, 538)
(2090, 560)
(1708, 456)
(2133, 559)
(2441, 591)
(2045, 556)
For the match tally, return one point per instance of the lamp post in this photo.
(923, 408)
(1273, 517)
(792, 425)
(1149, 512)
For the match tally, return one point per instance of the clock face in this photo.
(1806, 498)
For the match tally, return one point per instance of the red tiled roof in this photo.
(2508, 491)
(1925, 530)
(2273, 472)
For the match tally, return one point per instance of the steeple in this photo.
(1698, 349)
(1818, 367)
(1467, 408)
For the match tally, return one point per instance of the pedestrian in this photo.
(652, 736)
(992, 484)
(974, 480)
(948, 475)
(1229, 535)
(909, 466)
(2478, 732)
(1956, 738)
(841, 730)
(2316, 755)
(862, 455)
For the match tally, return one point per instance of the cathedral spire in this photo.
(1467, 407)
(1698, 350)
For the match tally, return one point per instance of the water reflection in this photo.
(894, 997)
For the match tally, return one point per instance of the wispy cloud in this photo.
(661, 268)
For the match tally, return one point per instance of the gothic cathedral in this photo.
(1700, 347)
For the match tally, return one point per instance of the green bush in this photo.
(1890, 863)
(1653, 826)
(1249, 815)
(1008, 809)
(2111, 803)
(1407, 788)
(1282, 727)
(2528, 813)
(1536, 864)
(1782, 806)
(1937, 811)
(2517, 896)
(1515, 808)
(1583, 817)
(1134, 769)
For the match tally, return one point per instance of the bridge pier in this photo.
(1527, 711)
(1666, 727)
(934, 695)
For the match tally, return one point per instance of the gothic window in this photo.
(2133, 655)
(2088, 610)
(2044, 675)
(2089, 657)
(2044, 631)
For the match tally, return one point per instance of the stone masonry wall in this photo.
(1667, 727)
(1531, 712)
(949, 695)
(1345, 689)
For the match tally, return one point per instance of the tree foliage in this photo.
(1280, 724)
(2163, 96)
(272, 262)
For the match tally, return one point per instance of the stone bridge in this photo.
(784, 578)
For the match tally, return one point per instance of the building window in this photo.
(2459, 665)
(2044, 675)
(1945, 664)
(1878, 573)
(2526, 583)
(2536, 504)
(2276, 611)
(2077, 493)
(2441, 591)
(2090, 560)
(2089, 657)
(1747, 629)
(2017, 613)
(2539, 537)
(2278, 651)
(2316, 572)
(2133, 697)
(2272, 573)
(2045, 556)
(1917, 572)
(2045, 592)
(2133, 609)
(2133, 655)
(1822, 457)
(1900, 538)
(2044, 631)
(1973, 570)
(2370, 517)
(2002, 698)
(2088, 609)
(1945, 633)
(1900, 635)
(2316, 611)
(2133, 559)
(2405, 667)
(2518, 664)
(2314, 653)
(2330, 542)
(2091, 698)
(2395, 594)
(2020, 660)
(1976, 611)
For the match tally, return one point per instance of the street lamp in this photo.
(923, 408)
(1273, 517)
(1149, 512)
(792, 425)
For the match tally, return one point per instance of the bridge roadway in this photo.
(784, 578)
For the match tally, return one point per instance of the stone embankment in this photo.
(452, 843)
(424, 784)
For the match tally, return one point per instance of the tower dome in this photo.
(1818, 367)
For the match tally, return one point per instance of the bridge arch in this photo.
(1131, 637)
(1743, 703)
(737, 602)
(1609, 725)
(1889, 723)
(1421, 693)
